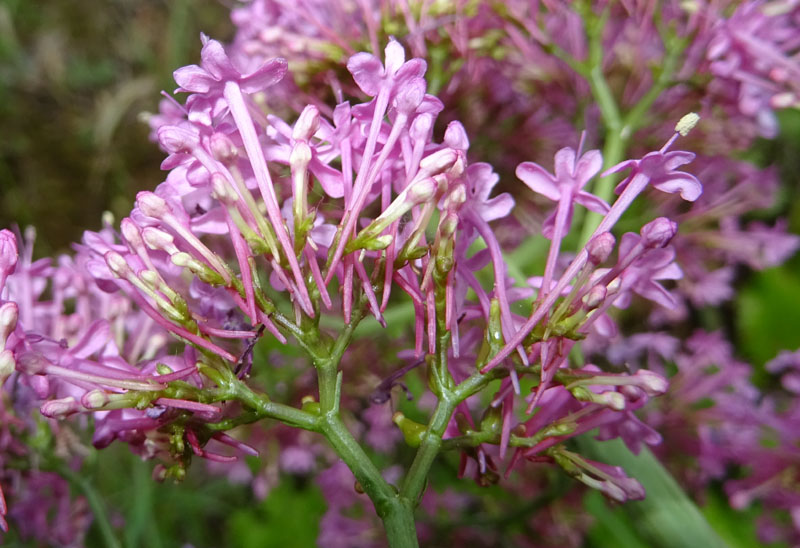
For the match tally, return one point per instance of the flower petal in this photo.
(193, 79)
(592, 202)
(565, 164)
(269, 74)
(498, 207)
(367, 71)
(538, 179)
(678, 181)
(588, 166)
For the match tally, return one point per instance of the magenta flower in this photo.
(372, 76)
(659, 169)
(216, 69)
(566, 185)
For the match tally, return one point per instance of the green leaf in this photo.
(667, 517)
(289, 516)
(768, 313)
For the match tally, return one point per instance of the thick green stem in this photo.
(429, 447)
(396, 512)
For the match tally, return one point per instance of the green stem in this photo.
(622, 127)
(278, 411)
(429, 447)
(396, 512)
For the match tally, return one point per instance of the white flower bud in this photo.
(152, 205)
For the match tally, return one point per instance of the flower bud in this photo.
(600, 248)
(158, 239)
(221, 190)
(421, 127)
(378, 243)
(7, 364)
(177, 139)
(652, 383)
(422, 191)
(118, 265)
(9, 312)
(658, 232)
(152, 205)
(94, 399)
(8, 253)
(456, 197)
(410, 96)
(131, 233)
(612, 491)
(595, 297)
(439, 161)
(307, 124)
(61, 408)
(455, 136)
(614, 400)
(222, 148)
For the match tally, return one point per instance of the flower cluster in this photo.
(285, 218)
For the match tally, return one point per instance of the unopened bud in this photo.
(183, 259)
(150, 277)
(221, 190)
(614, 400)
(307, 124)
(421, 127)
(687, 123)
(784, 100)
(448, 225)
(7, 364)
(422, 191)
(130, 232)
(176, 139)
(612, 491)
(455, 136)
(61, 408)
(379, 243)
(158, 239)
(94, 399)
(439, 161)
(222, 148)
(152, 205)
(652, 383)
(600, 247)
(456, 197)
(595, 297)
(117, 264)
(658, 232)
(8, 252)
(9, 312)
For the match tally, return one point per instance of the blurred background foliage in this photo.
(75, 78)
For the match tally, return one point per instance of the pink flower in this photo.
(216, 69)
(571, 176)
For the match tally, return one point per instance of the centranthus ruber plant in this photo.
(285, 217)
